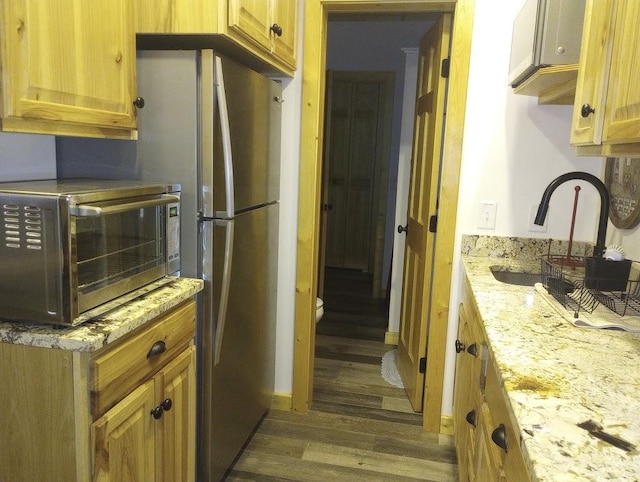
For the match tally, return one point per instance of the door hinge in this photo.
(444, 68)
(423, 365)
(433, 223)
(327, 207)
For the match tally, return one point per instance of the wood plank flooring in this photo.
(360, 428)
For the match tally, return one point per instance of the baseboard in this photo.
(281, 401)
(446, 424)
(391, 338)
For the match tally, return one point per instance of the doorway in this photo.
(363, 112)
(316, 13)
(357, 144)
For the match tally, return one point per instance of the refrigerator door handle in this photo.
(225, 129)
(224, 288)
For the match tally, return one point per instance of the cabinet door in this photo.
(176, 438)
(123, 439)
(622, 115)
(176, 16)
(251, 19)
(593, 73)
(462, 398)
(285, 16)
(68, 61)
(488, 466)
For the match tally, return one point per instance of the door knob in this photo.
(139, 102)
(459, 346)
(473, 349)
(586, 110)
(499, 437)
(471, 418)
(403, 229)
(277, 29)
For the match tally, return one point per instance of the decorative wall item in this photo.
(622, 178)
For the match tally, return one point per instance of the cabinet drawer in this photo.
(123, 367)
(502, 424)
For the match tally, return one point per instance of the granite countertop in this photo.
(556, 375)
(122, 318)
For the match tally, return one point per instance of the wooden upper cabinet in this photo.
(176, 16)
(263, 33)
(68, 67)
(606, 114)
(593, 73)
(251, 19)
(285, 16)
(622, 114)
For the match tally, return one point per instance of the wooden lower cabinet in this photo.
(487, 441)
(62, 422)
(130, 443)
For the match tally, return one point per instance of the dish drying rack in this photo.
(581, 284)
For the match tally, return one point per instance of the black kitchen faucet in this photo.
(599, 248)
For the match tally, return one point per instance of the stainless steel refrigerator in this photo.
(214, 127)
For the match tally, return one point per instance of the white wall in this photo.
(512, 149)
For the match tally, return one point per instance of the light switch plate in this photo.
(487, 215)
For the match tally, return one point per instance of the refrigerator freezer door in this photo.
(237, 391)
(252, 111)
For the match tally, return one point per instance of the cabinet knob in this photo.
(139, 102)
(403, 229)
(156, 412)
(166, 404)
(586, 110)
(471, 418)
(473, 349)
(157, 348)
(459, 346)
(499, 437)
(277, 29)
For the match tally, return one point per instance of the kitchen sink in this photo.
(515, 277)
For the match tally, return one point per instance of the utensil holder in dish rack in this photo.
(581, 284)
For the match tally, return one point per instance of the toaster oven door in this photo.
(119, 246)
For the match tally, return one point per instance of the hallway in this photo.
(360, 428)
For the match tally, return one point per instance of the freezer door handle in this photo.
(225, 130)
(224, 289)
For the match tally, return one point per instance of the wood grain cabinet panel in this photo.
(262, 33)
(49, 431)
(622, 114)
(481, 410)
(68, 67)
(606, 113)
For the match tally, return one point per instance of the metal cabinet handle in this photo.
(471, 418)
(277, 29)
(459, 346)
(157, 348)
(166, 404)
(586, 110)
(403, 229)
(499, 437)
(139, 102)
(106, 208)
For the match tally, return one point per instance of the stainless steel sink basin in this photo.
(515, 277)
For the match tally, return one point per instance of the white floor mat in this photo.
(389, 369)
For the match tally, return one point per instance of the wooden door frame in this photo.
(313, 90)
(380, 170)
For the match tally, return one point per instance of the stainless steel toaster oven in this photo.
(69, 246)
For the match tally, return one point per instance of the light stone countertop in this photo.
(556, 375)
(150, 301)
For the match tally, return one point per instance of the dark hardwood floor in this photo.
(359, 428)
